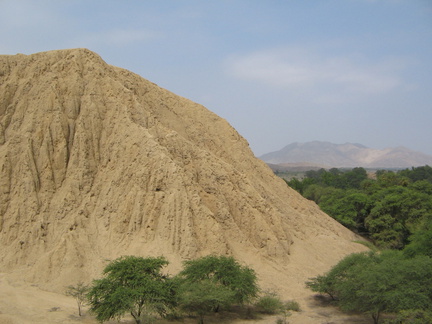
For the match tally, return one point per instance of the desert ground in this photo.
(21, 303)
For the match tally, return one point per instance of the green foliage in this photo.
(295, 184)
(390, 284)
(375, 283)
(415, 316)
(327, 284)
(397, 213)
(225, 271)
(288, 306)
(79, 292)
(372, 247)
(137, 286)
(317, 192)
(354, 178)
(213, 282)
(336, 178)
(292, 305)
(132, 284)
(348, 207)
(387, 179)
(204, 296)
(270, 303)
(392, 210)
(420, 241)
(418, 174)
(323, 285)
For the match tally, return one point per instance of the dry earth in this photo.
(97, 162)
(27, 304)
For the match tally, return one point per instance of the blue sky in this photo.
(278, 71)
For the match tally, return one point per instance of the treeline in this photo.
(393, 209)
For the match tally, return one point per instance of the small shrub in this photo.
(285, 314)
(281, 321)
(292, 305)
(79, 292)
(270, 303)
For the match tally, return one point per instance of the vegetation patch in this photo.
(392, 209)
(206, 287)
(376, 283)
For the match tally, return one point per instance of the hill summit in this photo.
(97, 162)
(348, 155)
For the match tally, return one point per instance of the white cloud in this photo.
(327, 78)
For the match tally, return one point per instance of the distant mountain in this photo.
(346, 155)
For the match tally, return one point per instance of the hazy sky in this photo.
(278, 71)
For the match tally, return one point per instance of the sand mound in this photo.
(97, 162)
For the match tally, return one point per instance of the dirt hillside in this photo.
(97, 162)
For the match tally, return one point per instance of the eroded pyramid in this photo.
(97, 162)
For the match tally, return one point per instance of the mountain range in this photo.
(348, 155)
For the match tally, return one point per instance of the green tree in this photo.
(132, 285)
(300, 186)
(317, 192)
(418, 173)
(423, 186)
(315, 175)
(222, 271)
(397, 213)
(387, 179)
(295, 183)
(388, 209)
(420, 241)
(412, 316)
(79, 292)
(327, 284)
(354, 178)
(374, 283)
(203, 297)
(349, 207)
(391, 284)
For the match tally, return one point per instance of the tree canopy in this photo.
(374, 283)
(225, 271)
(131, 285)
(225, 281)
(204, 296)
(388, 209)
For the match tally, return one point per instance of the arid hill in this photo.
(97, 162)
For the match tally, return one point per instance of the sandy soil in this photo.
(27, 304)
